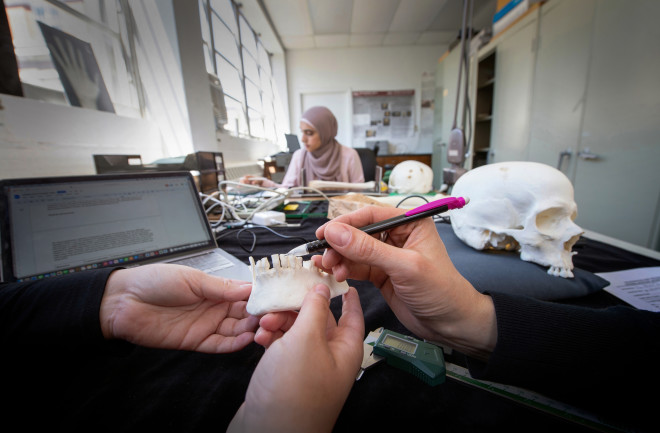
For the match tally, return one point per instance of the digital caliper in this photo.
(421, 359)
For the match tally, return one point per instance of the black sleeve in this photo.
(592, 357)
(57, 311)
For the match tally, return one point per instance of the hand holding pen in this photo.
(415, 275)
(426, 210)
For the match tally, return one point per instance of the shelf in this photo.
(487, 83)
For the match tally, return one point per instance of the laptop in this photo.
(60, 225)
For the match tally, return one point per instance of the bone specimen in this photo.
(520, 206)
(283, 286)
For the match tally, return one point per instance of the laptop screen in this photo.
(56, 226)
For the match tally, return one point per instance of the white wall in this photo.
(43, 139)
(355, 69)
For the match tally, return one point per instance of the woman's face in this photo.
(310, 137)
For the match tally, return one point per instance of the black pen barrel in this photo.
(382, 226)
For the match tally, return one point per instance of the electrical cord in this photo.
(233, 207)
(239, 231)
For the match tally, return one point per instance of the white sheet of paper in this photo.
(638, 287)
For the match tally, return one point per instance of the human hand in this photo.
(177, 307)
(416, 277)
(305, 376)
(252, 180)
(72, 63)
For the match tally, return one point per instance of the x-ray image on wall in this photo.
(78, 70)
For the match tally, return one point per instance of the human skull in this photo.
(411, 177)
(524, 206)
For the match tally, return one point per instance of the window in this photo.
(77, 52)
(235, 55)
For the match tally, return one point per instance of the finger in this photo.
(223, 344)
(265, 338)
(352, 316)
(313, 317)
(362, 217)
(360, 247)
(233, 327)
(278, 321)
(217, 288)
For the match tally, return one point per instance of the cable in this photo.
(460, 66)
(254, 236)
(411, 196)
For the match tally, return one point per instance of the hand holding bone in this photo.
(177, 307)
(304, 378)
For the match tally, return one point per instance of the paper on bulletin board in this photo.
(638, 287)
(383, 115)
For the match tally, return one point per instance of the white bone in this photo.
(411, 176)
(524, 206)
(284, 286)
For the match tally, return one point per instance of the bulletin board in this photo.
(383, 116)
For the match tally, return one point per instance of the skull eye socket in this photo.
(552, 220)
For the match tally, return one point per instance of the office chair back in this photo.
(368, 159)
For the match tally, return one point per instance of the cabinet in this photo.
(483, 109)
(579, 79)
(392, 160)
(596, 97)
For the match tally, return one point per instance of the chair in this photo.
(369, 164)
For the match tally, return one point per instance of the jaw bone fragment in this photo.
(283, 287)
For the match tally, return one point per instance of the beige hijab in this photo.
(324, 163)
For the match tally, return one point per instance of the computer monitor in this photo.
(292, 142)
(117, 163)
(211, 168)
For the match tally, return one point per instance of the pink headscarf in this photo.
(324, 162)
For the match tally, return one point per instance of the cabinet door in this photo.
(618, 193)
(560, 82)
(514, 72)
(445, 103)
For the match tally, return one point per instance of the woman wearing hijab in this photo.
(322, 157)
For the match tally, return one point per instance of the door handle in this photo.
(564, 154)
(588, 155)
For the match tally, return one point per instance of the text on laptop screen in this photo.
(65, 227)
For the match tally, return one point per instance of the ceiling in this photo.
(310, 24)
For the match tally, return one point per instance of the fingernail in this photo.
(338, 234)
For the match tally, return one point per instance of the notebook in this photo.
(60, 225)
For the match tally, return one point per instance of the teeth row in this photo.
(281, 261)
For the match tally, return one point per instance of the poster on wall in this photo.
(427, 111)
(79, 72)
(382, 117)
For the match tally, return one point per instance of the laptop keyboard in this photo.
(207, 262)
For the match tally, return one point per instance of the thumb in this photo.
(359, 247)
(313, 315)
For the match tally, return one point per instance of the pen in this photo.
(426, 210)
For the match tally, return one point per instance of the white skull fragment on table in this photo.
(283, 286)
(523, 206)
(410, 177)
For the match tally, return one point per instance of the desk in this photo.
(385, 395)
(133, 388)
